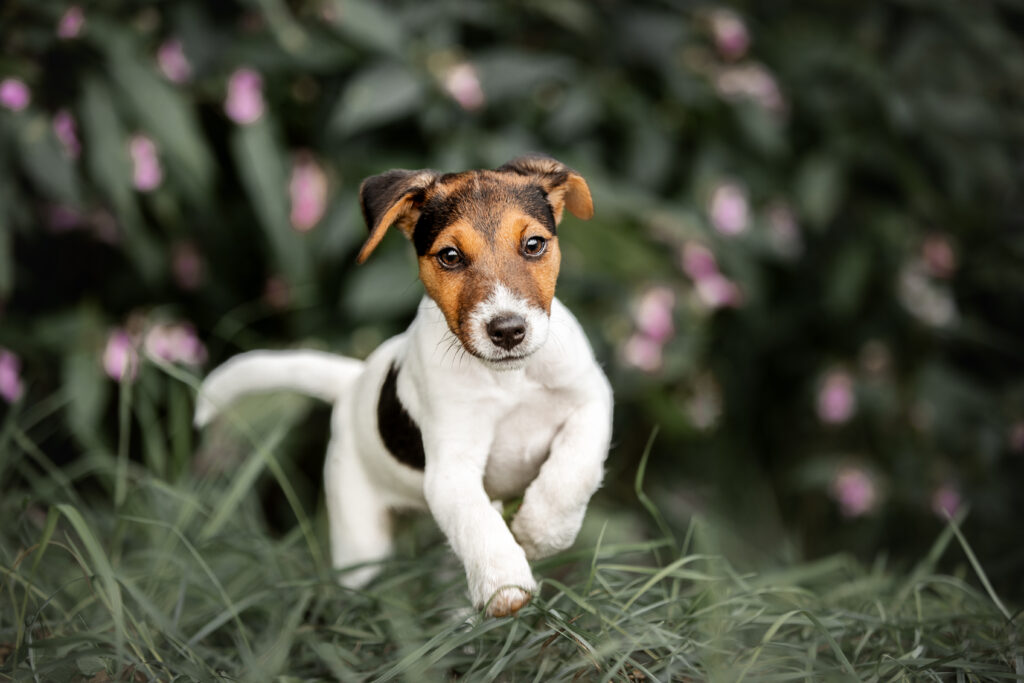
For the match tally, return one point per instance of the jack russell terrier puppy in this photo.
(493, 392)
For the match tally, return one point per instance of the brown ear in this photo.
(392, 198)
(565, 187)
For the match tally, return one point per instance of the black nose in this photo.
(507, 330)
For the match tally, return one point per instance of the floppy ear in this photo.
(565, 187)
(392, 198)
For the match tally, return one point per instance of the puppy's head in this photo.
(487, 246)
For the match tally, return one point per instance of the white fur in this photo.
(540, 429)
(502, 301)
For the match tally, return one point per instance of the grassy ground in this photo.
(138, 568)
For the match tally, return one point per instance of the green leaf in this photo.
(819, 189)
(6, 250)
(385, 287)
(165, 115)
(46, 162)
(102, 568)
(509, 73)
(261, 165)
(106, 157)
(376, 95)
(368, 24)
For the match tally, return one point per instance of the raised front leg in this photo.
(555, 502)
(496, 568)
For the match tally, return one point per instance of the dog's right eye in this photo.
(450, 258)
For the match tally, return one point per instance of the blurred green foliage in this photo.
(805, 266)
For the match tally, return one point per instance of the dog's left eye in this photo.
(534, 246)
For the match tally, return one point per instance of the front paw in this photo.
(544, 533)
(503, 589)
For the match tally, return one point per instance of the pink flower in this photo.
(698, 261)
(187, 265)
(654, 314)
(855, 491)
(718, 291)
(713, 289)
(836, 400)
(170, 57)
(463, 84)
(729, 209)
(1016, 437)
(175, 343)
(11, 387)
(938, 255)
(783, 231)
(643, 352)
(120, 358)
(750, 82)
(147, 173)
(66, 130)
(14, 94)
(71, 23)
(730, 34)
(308, 192)
(946, 500)
(244, 102)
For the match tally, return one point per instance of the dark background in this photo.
(805, 267)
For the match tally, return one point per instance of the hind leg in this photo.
(360, 523)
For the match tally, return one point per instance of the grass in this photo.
(117, 567)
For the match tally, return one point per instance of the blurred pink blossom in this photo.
(654, 314)
(946, 500)
(729, 33)
(836, 400)
(463, 84)
(714, 290)
(927, 300)
(750, 81)
(147, 173)
(783, 231)
(173, 63)
(698, 261)
(938, 255)
(718, 291)
(175, 343)
(63, 218)
(643, 352)
(11, 387)
(277, 293)
(855, 491)
(1016, 437)
(71, 23)
(14, 94)
(308, 191)
(729, 209)
(187, 265)
(244, 102)
(120, 357)
(66, 130)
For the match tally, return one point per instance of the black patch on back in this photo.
(400, 434)
(441, 211)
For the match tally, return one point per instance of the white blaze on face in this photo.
(502, 301)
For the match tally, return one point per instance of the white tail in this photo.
(321, 375)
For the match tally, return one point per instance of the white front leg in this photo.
(555, 502)
(496, 568)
